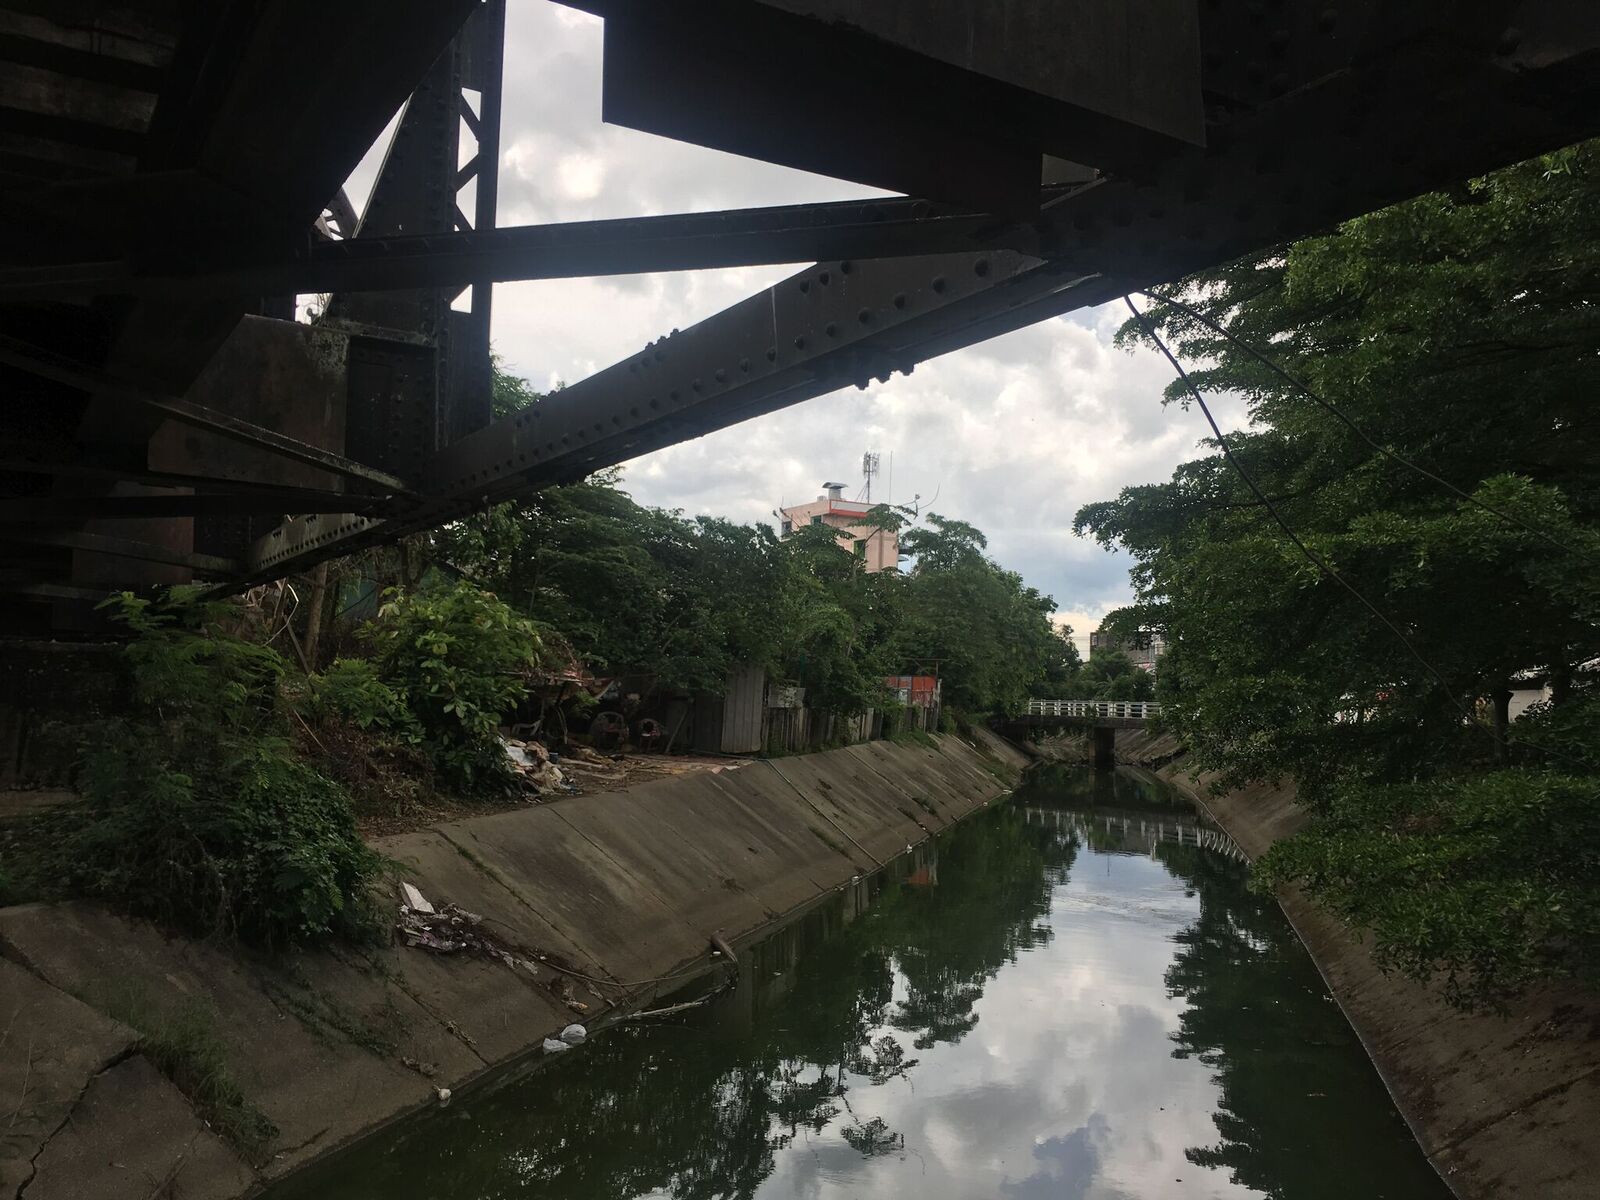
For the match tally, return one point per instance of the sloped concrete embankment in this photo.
(1504, 1106)
(601, 900)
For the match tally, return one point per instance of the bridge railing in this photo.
(1129, 710)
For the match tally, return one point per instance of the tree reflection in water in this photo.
(694, 1111)
(1283, 1054)
(1289, 1067)
(850, 1000)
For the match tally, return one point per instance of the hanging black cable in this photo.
(1311, 555)
(1334, 411)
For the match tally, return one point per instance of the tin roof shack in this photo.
(922, 697)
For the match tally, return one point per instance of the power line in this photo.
(1317, 559)
(1311, 555)
(1333, 410)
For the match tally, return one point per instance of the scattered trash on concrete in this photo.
(534, 764)
(451, 929)
(426, 1070)
(443, 1095)
(572, 1035)
(444, 930)
(564, 988)
(414, 899)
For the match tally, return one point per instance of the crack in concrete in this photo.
(117, 1059)
(165, 1186)
(1477, 1127)
(502, 882)
(299, 1146)
(447, 1024)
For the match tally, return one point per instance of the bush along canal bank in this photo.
(141, 1063)
(1072, 993)
(1505, 1105)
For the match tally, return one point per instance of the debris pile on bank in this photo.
(531, 760)
(451, 929)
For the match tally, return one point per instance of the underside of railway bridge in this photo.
(172, 171)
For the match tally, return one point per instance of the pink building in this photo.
(879, 548)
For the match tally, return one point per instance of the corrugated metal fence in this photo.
(754, 715)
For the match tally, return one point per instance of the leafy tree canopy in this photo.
(645, 590)
(1457, 333)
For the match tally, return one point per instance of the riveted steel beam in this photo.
(832, 324)
(28, 456)
(678, 242)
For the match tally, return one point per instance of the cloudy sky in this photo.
(1012, 435)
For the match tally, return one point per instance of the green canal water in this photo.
(1073, 995)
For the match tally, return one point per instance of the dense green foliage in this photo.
(353, 690)
(988, 634)
(1459, 331)
(1112, 675)
(684, 600)
(448, 664)
(194, 809)
(629, 587)
(1440, 872)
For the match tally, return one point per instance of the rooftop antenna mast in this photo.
(869, 468)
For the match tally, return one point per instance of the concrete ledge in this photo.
(615, 897)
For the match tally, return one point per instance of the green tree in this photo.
(1112, 675)
(988, 634)
(643, 590)
(1457, 333)
(194, 809)
(840, 622)
(459, 659)
(631, 588)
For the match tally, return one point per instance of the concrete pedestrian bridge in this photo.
(1101, 719)
(1090, 714)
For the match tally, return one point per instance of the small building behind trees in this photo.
(878, 547)
(1143, 651)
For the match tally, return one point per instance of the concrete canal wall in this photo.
(1504, 1106)
(590, 906)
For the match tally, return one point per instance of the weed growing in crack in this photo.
(182, 1043)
